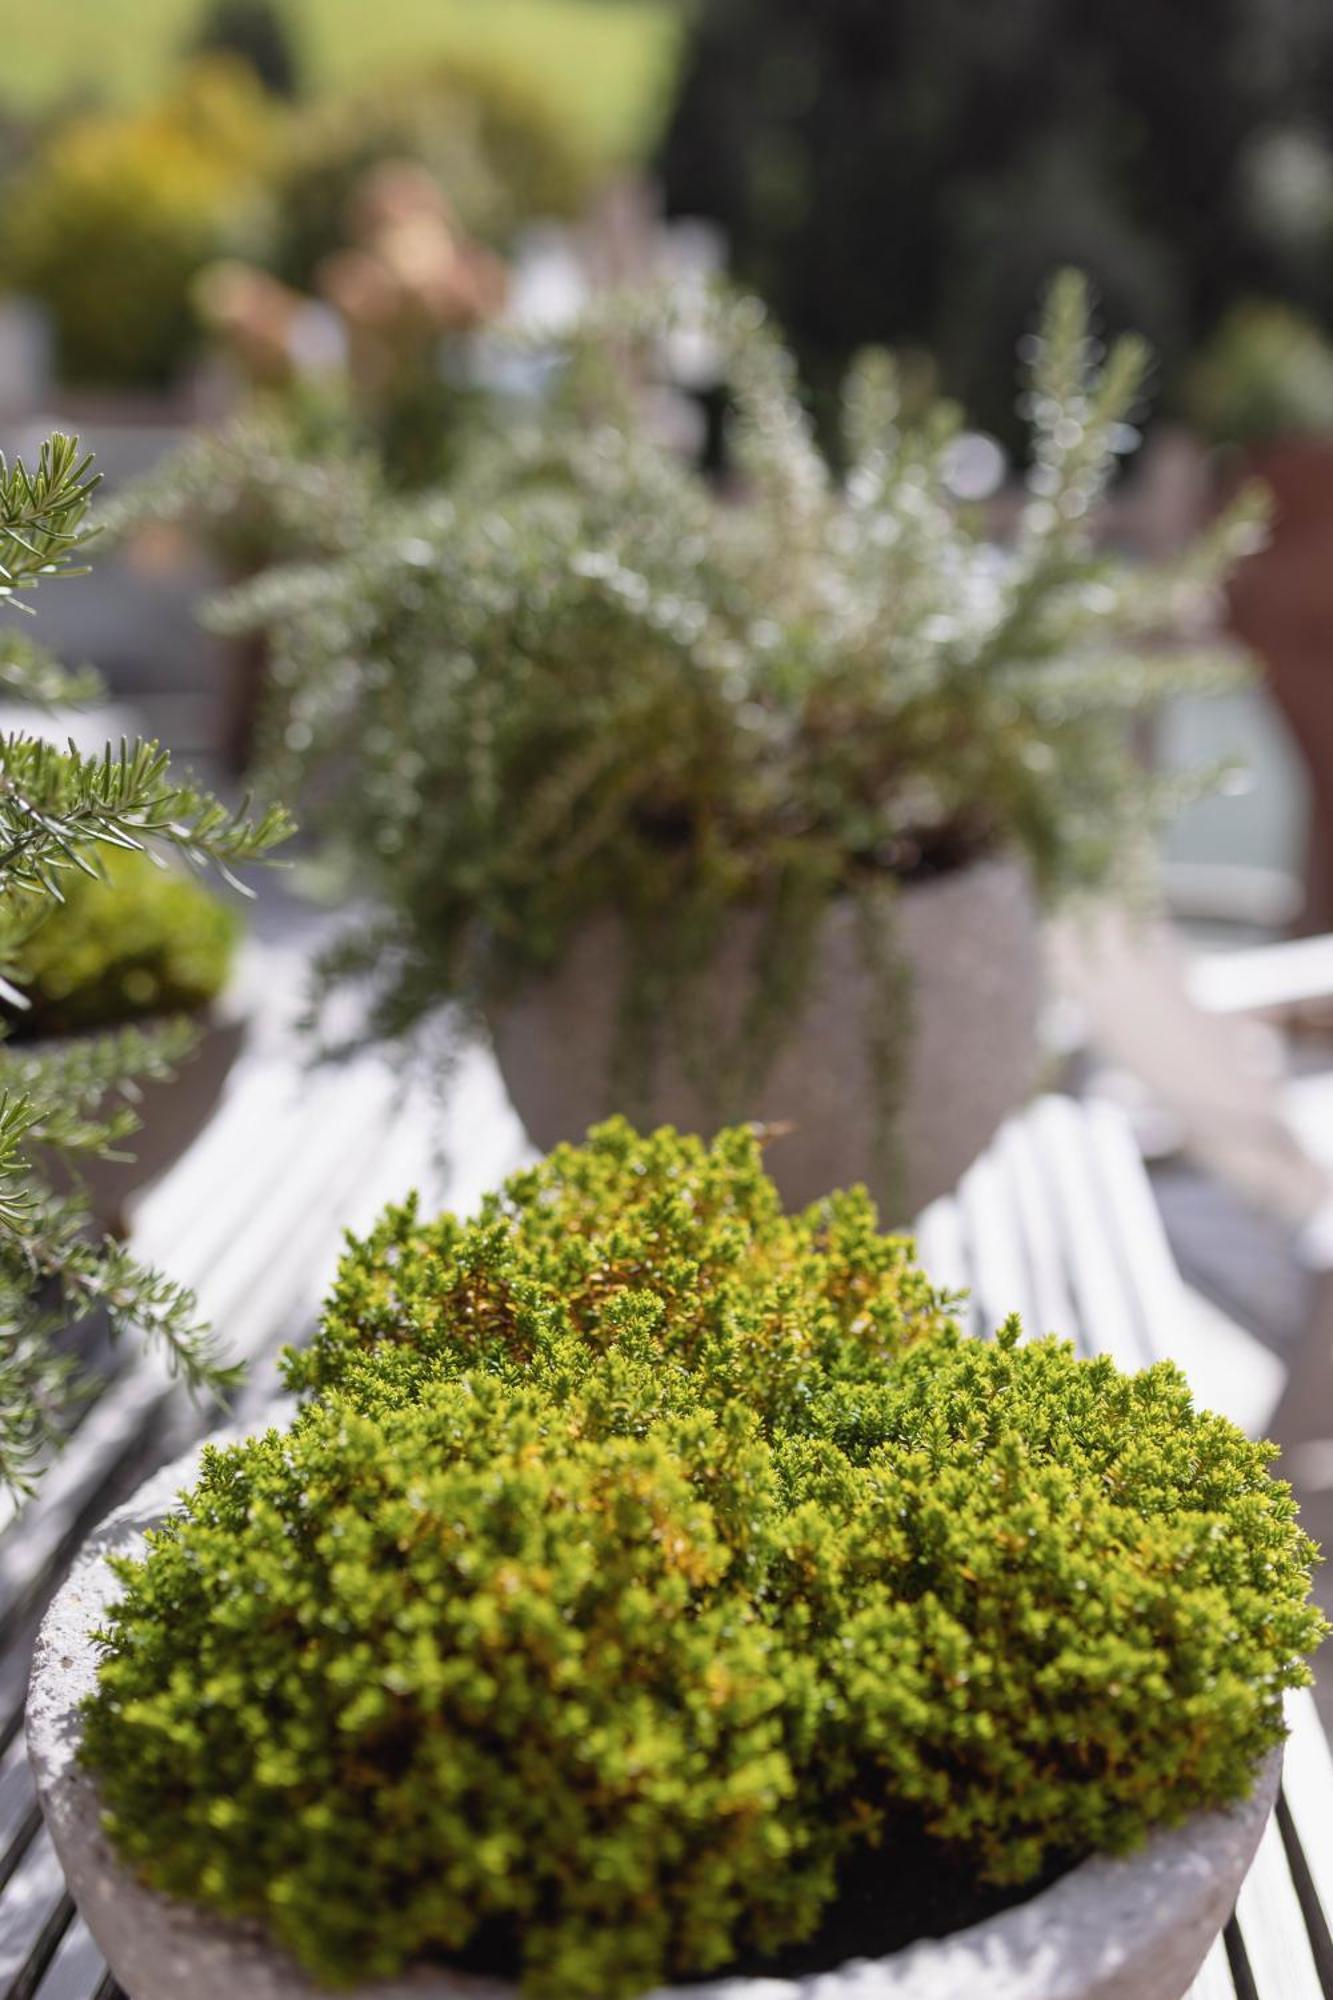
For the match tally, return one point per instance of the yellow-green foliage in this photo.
(609, 62)
(138, 940)
(1266, 373)
(643, 1556)
(117, 212)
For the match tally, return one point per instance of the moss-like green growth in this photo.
(658, 1248)
(643, 1557)
(136, 941)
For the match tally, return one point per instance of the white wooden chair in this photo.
(1201, 1032)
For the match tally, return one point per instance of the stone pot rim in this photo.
(230, 1007)
(1101, 1932)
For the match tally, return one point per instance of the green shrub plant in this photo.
(643, 1560)
(1266, 374)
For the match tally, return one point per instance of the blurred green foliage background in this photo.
(611, 59)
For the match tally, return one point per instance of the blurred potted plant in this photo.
(736, 807)
(658, 1588)
(138, 941)
(492, 141)
(385, 316)
(355, 388)
(1262, 391)
(115, 213)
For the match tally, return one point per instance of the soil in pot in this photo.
(925, 1894)
(963, 950)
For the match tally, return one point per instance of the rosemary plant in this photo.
(583, 680)
(59, 811)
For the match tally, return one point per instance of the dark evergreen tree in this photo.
(260, 33)
(911, 170)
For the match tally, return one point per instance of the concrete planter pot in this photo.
(970, 947)
(171, 1114)
(1136, 1928)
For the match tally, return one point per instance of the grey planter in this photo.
(171, 1115)
(1136, 1928)
(971, 949)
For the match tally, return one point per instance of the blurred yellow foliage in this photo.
(117, 212)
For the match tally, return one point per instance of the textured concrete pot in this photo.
(171, 1115)
(1130, 1929)
(970, 947)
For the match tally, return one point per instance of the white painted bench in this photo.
(1056, 1220)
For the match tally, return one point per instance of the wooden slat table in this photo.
(1057, 1221)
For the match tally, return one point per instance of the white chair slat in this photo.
(1106, 1311)
(279, 1133)
(110, 1432)
(479, 1139)
(1000, 1278)
(259, 1250)
(1263, 978)
(380, 1175)
(1051, 1309)
(942, 1248)
(1272, 1927)
(18, 1801)
(33, 1913)
(78, 1969)
(1307, 1792)
(1213, 1980)
(1133, 1226)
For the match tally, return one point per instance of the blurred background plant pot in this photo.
(172, 1113)
(132, 956)
(966, 1043)
(1281, 604)
(1133, 1928)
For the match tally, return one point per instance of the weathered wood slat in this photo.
(33, 1546)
